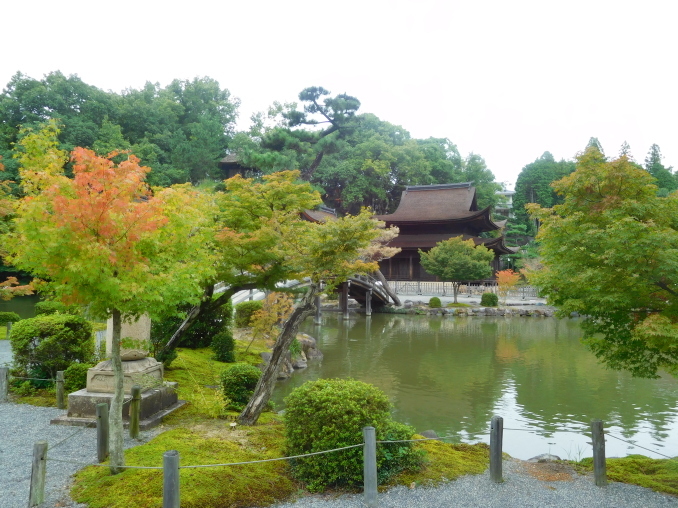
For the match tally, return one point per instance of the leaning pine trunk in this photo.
(262, 393)
(116, 451)
(387, 288)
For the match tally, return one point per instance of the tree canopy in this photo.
(534, 186)
(610, 251)
(458, 260)
(354, 159)
(180, 131)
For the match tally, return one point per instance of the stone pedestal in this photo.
(158, 399)
(146, 373)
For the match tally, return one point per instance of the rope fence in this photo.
(171, 458)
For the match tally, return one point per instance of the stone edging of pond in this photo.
(468, 311)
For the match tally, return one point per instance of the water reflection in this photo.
(453, 374)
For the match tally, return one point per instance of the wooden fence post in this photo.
(599, 467)
(61, 402)
(170, 479)
(36, 494)
(102, 431)
(9, 330)
(134, 410)
(4, 384)
(370, 466)
(496, 441)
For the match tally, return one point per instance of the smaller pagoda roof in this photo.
(430, 240)
(322, 214)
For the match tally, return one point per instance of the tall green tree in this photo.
(474, 169)
(104, 240)
(534, 186)
(457, 260)
(610, 251)
(666, 180)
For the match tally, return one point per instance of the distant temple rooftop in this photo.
(429, 214)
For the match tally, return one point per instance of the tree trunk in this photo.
(387, 288)
(455, 289)
(195, 312)
(262, 393)
(116, 450)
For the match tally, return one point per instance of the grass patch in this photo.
(198, 375)
(660, 475)
(457, 305)
(228, 486)
(446, 462)
(43, 397)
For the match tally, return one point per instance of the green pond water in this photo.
(453, 374)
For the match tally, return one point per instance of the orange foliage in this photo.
(108, 204)
(507, 280)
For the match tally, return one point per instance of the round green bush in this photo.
(75, 376)
(331, 413)
(223, 346)
(238, 383)
(50, 343)
(435, 302)
(9, 317)
(489, 300)
(244, 311)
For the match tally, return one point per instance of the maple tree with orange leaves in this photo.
(105, 240)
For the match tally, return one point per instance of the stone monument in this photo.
(157, 398)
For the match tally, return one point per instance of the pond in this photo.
(453, 374)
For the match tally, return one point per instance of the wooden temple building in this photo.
(428, 214)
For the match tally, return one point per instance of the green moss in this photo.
(660, 475)
(227, 486)
(452, 304)
(199, 378)
(446, 462)
(43, 397)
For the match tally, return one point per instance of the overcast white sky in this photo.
(505, 79)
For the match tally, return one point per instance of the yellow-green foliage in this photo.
(445, 462)
(215, 487)
(660, 475)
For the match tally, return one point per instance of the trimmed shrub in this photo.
(238, 384)
(223, 346)
(9, 317)
(51, 343)
(331, 413)
(51, 307)
(489, 300)
(75, 376)
(435, 302)
(244, 311)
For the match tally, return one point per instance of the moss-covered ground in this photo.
(660, 475)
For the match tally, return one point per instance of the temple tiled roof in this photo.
(435, 203)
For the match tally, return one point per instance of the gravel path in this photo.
(22, 425)
(520, 489)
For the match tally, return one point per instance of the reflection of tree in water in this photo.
(449, 373)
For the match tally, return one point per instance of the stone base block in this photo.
(82, 405)
(146, 373)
